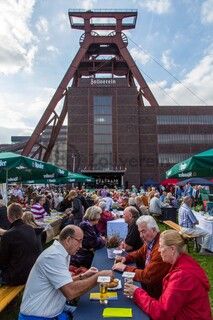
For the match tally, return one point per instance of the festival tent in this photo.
(167, 182)
(199, 165)
(150, 183)
(195, 181)
(17, 168)
(71, 178)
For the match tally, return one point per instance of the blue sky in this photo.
(37, 45)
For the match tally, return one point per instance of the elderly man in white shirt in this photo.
(155, 205)
(50, 283)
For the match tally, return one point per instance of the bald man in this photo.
(50, 283)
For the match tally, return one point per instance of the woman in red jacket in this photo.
(185, 287)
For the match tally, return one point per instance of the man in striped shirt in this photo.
(37, 209)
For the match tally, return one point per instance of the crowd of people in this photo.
(173, 285)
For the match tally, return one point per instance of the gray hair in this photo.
(187, 199)
(131, 201)
(102, 205)
(149, 221)
(135, 213)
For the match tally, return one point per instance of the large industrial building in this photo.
(116, 130)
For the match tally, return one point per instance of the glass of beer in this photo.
(128, 278)
(103, 289)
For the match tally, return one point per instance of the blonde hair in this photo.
(173, 238)
(71, 195)
(93, 213)
(29, 219)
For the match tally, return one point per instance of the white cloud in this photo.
(167, 60)
(52, 49)
(22, 112)
(156, 6)
(63, 21)
(42, 25)
(207, 11)
(87, 4)
(139, 56)
(17, 43)
(199, 80)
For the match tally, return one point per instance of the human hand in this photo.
(2, 231)
(90, 272)
(120, 259)
(119, 266)
(106, 273)
(121, 246)
(129, 289)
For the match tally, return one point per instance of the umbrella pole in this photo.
(6, 186)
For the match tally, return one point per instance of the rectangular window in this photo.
(184, 119)
(102, 132)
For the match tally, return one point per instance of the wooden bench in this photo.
(8, 293)
(188, 237)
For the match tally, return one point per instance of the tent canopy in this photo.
(199, 165)
(166, 182)
(195, 181)
(150, 182)
(17, 168)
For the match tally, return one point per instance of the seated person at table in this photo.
(105, 216)
(4, 222)
(92, 239)
(150, 268)
(132, 241)
(18, 248)
(37, 208)
(41, 235)
(185, 287)
(188, 221)
(50, 283)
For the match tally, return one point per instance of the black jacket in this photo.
(4, 222)
(18, 252)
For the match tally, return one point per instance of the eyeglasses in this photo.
(79, 240)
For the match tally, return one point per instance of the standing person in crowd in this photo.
(50, 283)
(4, 222)
(105, 216)
(83, 199)
(109, 201)
(17, 192)
(18, 248)
(132, 241)
(150, 269)
(188, 221)
(76, 206)
(37, 208)
(47, 203)
(185, 287)
(92, 239)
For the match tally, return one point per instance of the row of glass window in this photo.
(107, 138)
(184, 119)
(102, 148)
(185, 138)
(102, 119)
(102, 132)
(172, 157)
(102, 101)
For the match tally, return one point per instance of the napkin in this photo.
(110, 296)
(117, 313)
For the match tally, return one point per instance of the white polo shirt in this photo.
(42, 297)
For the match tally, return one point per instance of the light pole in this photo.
(73, 162)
